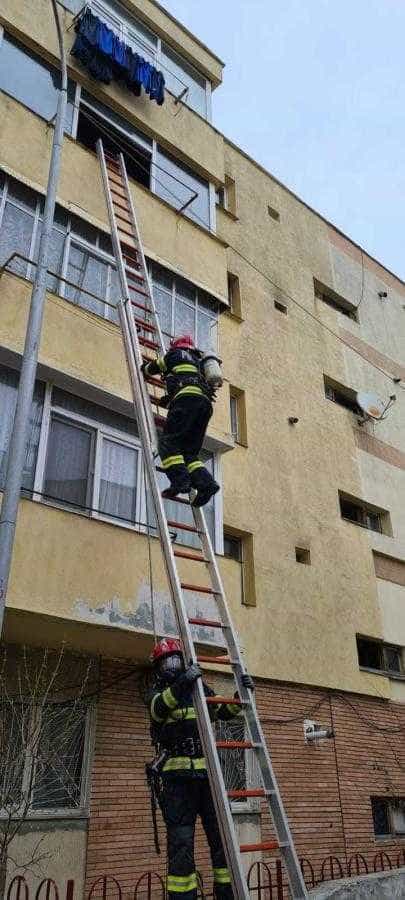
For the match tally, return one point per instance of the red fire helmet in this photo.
(165, 648)
(182, 342)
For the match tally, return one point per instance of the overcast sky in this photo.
(314, 90)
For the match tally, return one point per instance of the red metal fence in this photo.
(265, 879)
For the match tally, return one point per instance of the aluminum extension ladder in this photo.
(142, 333)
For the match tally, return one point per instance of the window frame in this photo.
(366, 513)
(81, 811)
(335, 301)
(383, 647)
(110, 433)
(388, 803)
(154, 51)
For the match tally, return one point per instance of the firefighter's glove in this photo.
(248, 682)
(144, 367)
(191, 674)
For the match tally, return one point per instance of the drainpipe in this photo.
(19, 436)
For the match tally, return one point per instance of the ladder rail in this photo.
(148, 435)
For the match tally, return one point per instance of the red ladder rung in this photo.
(207, 623)
(235, 745)
(147, 343)
(193, 556)
(120, 205)
(235, 701)
(218, 660)
(157, 383)
(123, 218)
(139, 291)
(160, 420)
(140, 306)
(253, 792)
(113, 166)
(157, 402)
(196, 587)
(264, 845)
(182, 525)
(144, 325)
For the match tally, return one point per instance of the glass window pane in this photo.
(180, 75)
(86, 271)
(93, 411)
(15, 236)
(184, 318)
(163, 303)
(8, 399)
(162, 277)
(59, 757)
(207, 333)
(380, 815)
(57, 245)
(14, 722)
(118, 480)
(67, 476)
(177, 185)
(31, 81)
(114, 295)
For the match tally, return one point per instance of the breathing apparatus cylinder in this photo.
(211, 367)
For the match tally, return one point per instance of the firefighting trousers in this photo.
(182, 801)
(183, 434)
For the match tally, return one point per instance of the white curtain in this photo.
(68, 463)
(118, 480)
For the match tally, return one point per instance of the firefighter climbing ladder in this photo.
(142, 333)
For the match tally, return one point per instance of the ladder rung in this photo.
(195, 587)
(253, 792)
(158, 384)
(109, 155)
(157, 402)
(147, 343)
(140, 306)
(208, 623)
(133, 276)
(122, 195)
(265, 845)
(235, 745)
(139, 291)
(144, 325)
(118, 183)
(235, 701)
(173, 499)
(113, 166)
(130, 234)
(123, 218)
(192, 556)
(120, 205)
(218, 660)
(193, 530)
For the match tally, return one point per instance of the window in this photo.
(238, 545)
(183, 308)
(31, 81)
(379, 656)
(234, 298)
(273, 213)
(45, 741)
(226, 196)
(331, 298)
(8, 399)
(184, 81)
(388, 816)
(146, 162)
(179, 186)
(240, 768)
(303, 555)
(181, 78)
(237, 413)
(340, 394)
(92, 459)
(365, 515)
(96, 120)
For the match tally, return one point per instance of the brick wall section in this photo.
(326, 788)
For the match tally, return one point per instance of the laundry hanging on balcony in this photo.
(106, 57)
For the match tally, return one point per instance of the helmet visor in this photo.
(171, 666)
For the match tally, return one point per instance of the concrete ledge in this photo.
(379, 885)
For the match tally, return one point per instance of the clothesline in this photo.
(107, 57)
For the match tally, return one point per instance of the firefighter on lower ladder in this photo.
(185, 791)
(189, 397)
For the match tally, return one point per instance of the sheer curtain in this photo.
(67, 475)
(118, 480)
(8, 399)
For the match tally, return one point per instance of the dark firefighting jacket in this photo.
(181, 370)
(174, 729)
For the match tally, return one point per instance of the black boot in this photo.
(180, 482)
(205, 485)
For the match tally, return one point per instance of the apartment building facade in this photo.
(309, 527)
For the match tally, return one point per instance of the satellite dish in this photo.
(371, 405)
